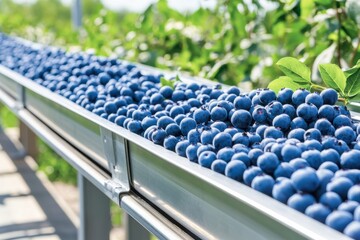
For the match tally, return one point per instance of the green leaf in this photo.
(332, 76)
(353, 83)
(352, 9)
(295, 69)
(284, 81)
(324, 2)
(166, 82)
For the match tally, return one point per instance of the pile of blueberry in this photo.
(297, 147)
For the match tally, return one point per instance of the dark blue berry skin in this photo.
(312, 144)
(346, 134)
(158, 136)
(354, 193)
(284, 170)
(313, 157)
(260, 115)
(176, 110)
(272, 132)
(191, 152)
(329, 96)
(234, 90)
(312, 133)
(299, 163)
(305, 180)
(297, 133)
(254, 155)
(318, 212)
(148, 122)
(325, 127)
(208, 135)
(186, 125)
(268, 162)
(315, 99)
(338, 220)
(241, 119)
(298, 122)
(284, 96)
(221, 126)
(173, 129)
(273, 109)
(326, 111)
(241, 156)
(266, 96)
(250, 174)
(201, 115)
(300, 201)
(331, 200)
(289, 110)
(218, 114)
(307, 111)
(110, 107)
(263, 183)
(283, 190)
(242, 102)
(170, 143)
(207, 158)
(225, 154)
(340, 186)
(204, 148)
(348, 206)
(235, 170)
(341, 121)
(193, 136)
(350, 159)
(330, 155)
(222, 140)
(353, 230)
(299, 96)
(290, 152)
(181, 147)
(241, 138)
(282, 121)
(219, 166)
(164, 121)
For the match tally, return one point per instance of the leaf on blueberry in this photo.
(295, 69)
(284, 81)
(333, 76)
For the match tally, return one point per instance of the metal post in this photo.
(134, 230)
(95, 222)
(28, 139)
(76, 14)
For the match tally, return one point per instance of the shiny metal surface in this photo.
(206, 203)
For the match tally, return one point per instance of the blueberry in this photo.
(221, 126)
(204, 148)
(283, 189)
(289, 152)
(289, 110)
(346, 134)
(338, 220)
(284, 95)
(305, 180)
(350, 159)
(297, 133)
(272, 132)
(241, 156)
(298, 122)
(158, 136)
(342, 120)
(193, 136)
(222, 140)
(201, 115)
(235, 170)
(250, 174)
(219, 166)
(299, 96)
(318, 212)
(348, 206)
(186, 125)
(353, 230)
(241, 138)
(268, 162)
(312, 133)
(307, 111)
(329, 96)
(325, 127)
(120, 120)
(340, 186)
(208, 135)
(173, 129)
(218, 114)
(273, 109)
(263, 183)
(284, 170)
(225, 154)
(325, 176)
(170, 143)
(254, 155)
(312, 145)
(207, 158)
(282, 121)
(315, 99)
(266, 96)
(260, 115)
(300, 201)
(313, 157)
(191, 152)
(330, 166)
(181, 147)
(354, 193)
(164, 121)
(331, 199)
(327, 112)
(242, 102)
(110, 107)
(241, 119)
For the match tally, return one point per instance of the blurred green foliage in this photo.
(235, 42)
